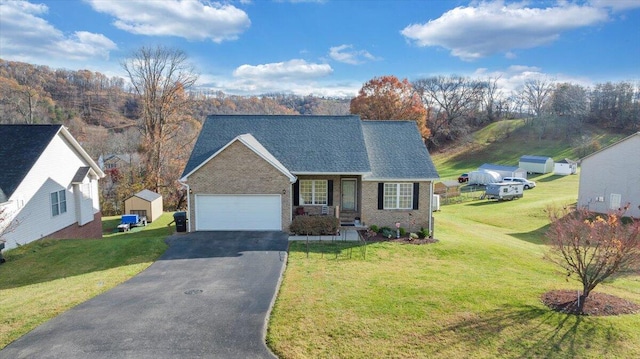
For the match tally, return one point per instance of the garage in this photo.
(238, 212)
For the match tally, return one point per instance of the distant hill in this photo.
(503, 142)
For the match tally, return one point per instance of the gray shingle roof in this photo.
(80, 175)
(147, 195)
(491, 166)
(396, 151)
(303, 144)
(534, 159)
(21, 146)
(324, 144)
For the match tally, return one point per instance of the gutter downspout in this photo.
(431, 209)
(188, 204)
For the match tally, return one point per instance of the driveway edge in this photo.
(284, 257)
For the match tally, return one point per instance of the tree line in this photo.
(448, 108)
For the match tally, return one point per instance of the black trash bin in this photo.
(181, 221)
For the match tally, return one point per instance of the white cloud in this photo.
(289, 70)
(616, 5)
(346, 54)
(190, 19)
(491, 27)
(295, 76)
(513, 77)
(27, 36)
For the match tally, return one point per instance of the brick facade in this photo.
(92, 229)
(371, 215)
(239, 170)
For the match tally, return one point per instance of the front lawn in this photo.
(474, 294)
(47, 277)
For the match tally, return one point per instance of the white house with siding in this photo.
(610, 178)
(49, 185)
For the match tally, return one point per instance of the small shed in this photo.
(565, 167)
(504, 171)
(536, 164)
(447, 189)
(144, 203)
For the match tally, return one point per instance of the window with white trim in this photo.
(58, 202)
(313, 192)
(398, 195)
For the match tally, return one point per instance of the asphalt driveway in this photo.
(208, 296)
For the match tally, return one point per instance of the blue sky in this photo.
(332, 47)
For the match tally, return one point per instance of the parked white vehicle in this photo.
(525, 182)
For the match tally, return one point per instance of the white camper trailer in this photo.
(504, 191)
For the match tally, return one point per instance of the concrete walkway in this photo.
(209, 296)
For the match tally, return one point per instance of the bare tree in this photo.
(593, 247)
(452, 102)
(536, 94)
(160, 76)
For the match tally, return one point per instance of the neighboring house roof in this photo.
(534, 159)
(81, 174)
(21, 147)
(147, 195)
(566, 160)
(320, 145)
(396, 151)
(612, 145)
(492, 167)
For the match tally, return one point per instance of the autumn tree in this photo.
(453, 102)
(159, 77)
(388, 98)
(593, 247)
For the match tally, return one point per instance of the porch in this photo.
(322, 195)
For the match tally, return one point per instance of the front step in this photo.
(348, 218)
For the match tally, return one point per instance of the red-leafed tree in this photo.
(388, 98)
(594, 247)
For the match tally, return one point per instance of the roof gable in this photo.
(147, 195)
(396, 151)
(302, 144)
(254, 145)
(21, 147)
(611, 146)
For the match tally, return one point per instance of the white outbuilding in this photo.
(536, 164)
(565, 167)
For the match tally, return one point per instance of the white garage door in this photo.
(238, 213)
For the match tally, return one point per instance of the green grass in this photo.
(47, 277)
(475, 293)
(503, 143)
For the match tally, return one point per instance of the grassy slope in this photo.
(45, 278)
(476, 293)
(492, 145)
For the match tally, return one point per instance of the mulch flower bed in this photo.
(596, 304)
(402, 240)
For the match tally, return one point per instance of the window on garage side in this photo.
(313, 192)
(398, 195)
(58, 202)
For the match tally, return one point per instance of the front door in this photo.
(349, 194)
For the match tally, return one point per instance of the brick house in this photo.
(258, 172)
(48, 185)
